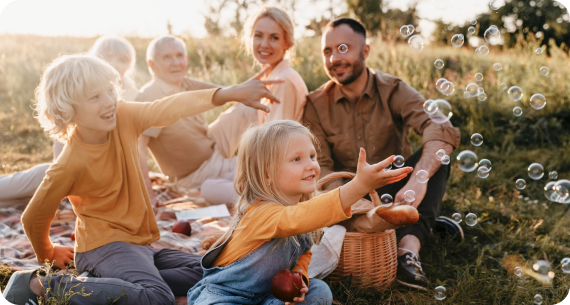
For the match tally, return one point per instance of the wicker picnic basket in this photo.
(370, 258)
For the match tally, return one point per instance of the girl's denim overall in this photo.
(248, 280)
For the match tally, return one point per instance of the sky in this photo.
(148, 18)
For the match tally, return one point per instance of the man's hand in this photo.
(62, 255)
(369, 178)
(248, 93)
(304, 290)
(419, 188)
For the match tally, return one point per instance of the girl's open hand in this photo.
(304, 290)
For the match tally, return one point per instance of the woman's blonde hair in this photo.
(261, 152)
(65, 80)
(116, 45)
(278, 15)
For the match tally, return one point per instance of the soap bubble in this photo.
(498, 66)
(482, 50)
(447, 88)
(466, 94)
(440, 293)
(411, 29)
(483, 172)
(486, 163)
(473, 89)
(439, 154)
(538, 51)
(496, 4)
(456, 217)
(537, 101)
(457, 40)
(518, 271)
(438, 64)
(535, 171)
(537, 299)
(562, 189)
(439, 84)
(399, 161)
(481, 90)
(443, 113)
(504, 86)
(479, 77)
(542, 267)
(473, 21)
(406, 31)
(549, 191)
(389, 167)
(482, 96)
(410, 196)
(430, 107)
(476, 139)
(386, 200)
(515, 93)
(445, 160)
(471, 30)
(493, 35)
(467, 161)
(544, 71)
(565, 265)
(342, 48)
(517, 111)
(422, 176)
(471, 219)
(553, 175)
(416, 43)
(520, 184)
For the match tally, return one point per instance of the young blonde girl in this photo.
(269, 37)
(277, 218)
(99, 172)
(120, 54)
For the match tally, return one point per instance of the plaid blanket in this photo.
(16, 251)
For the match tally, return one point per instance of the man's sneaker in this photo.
(18, 289)
(410, 272)
(449, 227)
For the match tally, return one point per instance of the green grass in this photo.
(511, 221)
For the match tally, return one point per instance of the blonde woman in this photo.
(120, 54)
(277, 219)
(269, 36)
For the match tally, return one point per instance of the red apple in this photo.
(182, 227)
(286, 285)
(72, 236)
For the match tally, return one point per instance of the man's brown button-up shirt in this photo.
(379, 122)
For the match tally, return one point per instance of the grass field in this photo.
(511, 221)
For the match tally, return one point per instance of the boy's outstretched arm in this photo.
(369, 178)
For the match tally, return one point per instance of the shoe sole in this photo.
(411, 285)
(456, 225)
(10, 283)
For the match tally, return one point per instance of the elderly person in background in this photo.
(188, 151)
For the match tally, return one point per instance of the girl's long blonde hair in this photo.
(261, 152)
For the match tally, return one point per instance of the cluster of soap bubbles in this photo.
(441, 155)
(558, 191)
(407, 30)
(470, 219)
(482, 50)
(444, 86)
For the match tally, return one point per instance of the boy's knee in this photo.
(319, 293)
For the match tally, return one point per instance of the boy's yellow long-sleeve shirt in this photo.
(261, 223)
(104, 182)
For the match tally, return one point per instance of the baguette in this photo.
(401, 215)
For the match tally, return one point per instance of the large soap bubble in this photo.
(515, 93)
(482, 50)
(467, 161)
(457, 40)
(493, 35)
(443, 113)
(416, 43)
(562, 189)
(537, 101)
(535, 171)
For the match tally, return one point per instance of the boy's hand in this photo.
(368, 178)
(248, 93)
(304, 290)
(62, 255)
